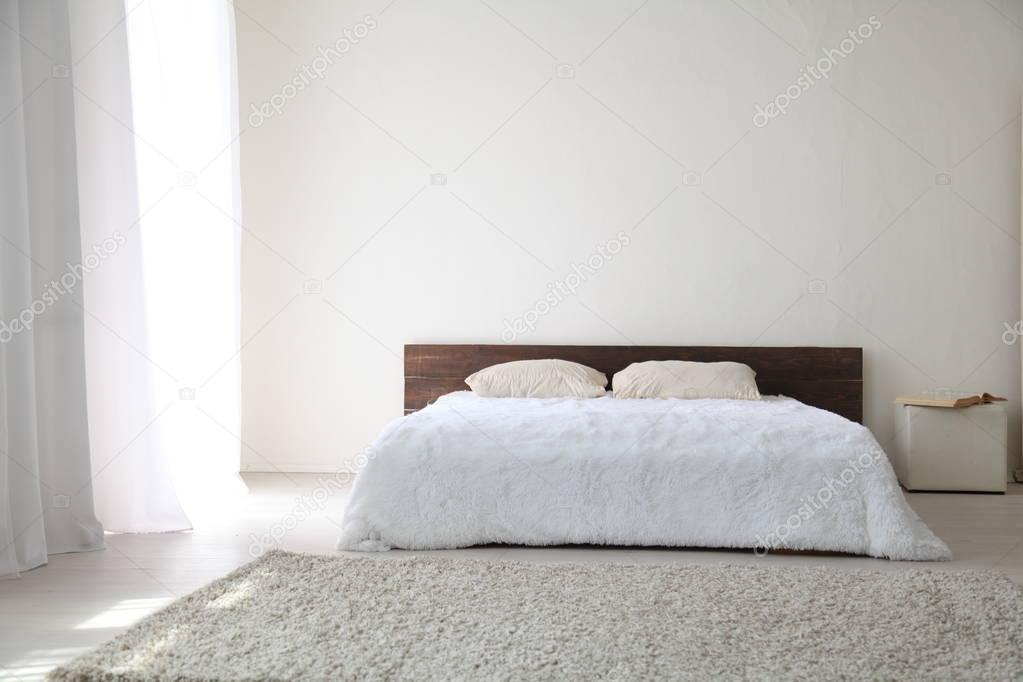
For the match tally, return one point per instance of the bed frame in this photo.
(828, 378)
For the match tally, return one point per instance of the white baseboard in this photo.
(263, 468)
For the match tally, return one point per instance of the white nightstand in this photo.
(956, 449)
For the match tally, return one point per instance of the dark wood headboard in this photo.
(828, 378)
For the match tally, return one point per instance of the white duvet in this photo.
(769, 474)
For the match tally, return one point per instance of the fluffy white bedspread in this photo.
(773, 473)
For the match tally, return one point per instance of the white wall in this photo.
(882, 210)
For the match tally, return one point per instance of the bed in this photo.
(794, 471)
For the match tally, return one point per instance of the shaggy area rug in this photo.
(291, 616)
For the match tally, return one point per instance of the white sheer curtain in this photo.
(157, 101)
(184, 93)
(131, 459)
(119, 167)
(46, 504)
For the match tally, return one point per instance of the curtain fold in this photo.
(46, 497)
(129, 392)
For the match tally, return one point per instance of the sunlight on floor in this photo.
(37, 663)
(124, 613)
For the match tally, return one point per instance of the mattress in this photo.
(761, 474)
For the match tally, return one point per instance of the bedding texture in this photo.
(683, 379)
(538, 379)
(766, 474)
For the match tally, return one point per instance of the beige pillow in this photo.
(538, 379)
(680, 379)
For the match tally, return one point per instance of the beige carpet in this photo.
(291, 616)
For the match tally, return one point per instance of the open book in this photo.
(937, 400)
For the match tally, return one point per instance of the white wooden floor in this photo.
(79, 600)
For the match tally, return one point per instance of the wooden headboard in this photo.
(828, 378)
